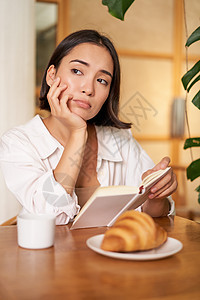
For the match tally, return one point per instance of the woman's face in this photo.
(87, 71)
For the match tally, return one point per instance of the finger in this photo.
(58, 91)
(51, 92)
(166, 191)
(163, 164)
(55, 101)
(52, 105)
(54, 85)
(53, 97)
(145, 174)
(63, 103)
(162, 182)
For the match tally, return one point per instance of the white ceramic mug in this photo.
(35, 231)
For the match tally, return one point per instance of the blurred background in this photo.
(150, 43)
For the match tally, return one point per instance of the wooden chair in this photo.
(12, 221)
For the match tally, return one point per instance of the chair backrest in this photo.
(12, 221)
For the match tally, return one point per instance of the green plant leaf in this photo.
(198, 190)
(193, 171)
(196, 100)
(192, 142)
(118, 8)
(195, 36)
(190, 74)
(193, 82)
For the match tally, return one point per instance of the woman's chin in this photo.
(81, 114)
(85, 114)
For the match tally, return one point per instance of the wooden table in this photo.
(70, 270)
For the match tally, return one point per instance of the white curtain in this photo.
(17, 77)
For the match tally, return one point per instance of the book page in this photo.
(154, 176)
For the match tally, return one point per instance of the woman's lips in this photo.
(83, 104)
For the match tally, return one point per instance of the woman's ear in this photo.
(51, 74)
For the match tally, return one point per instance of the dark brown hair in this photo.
(108, 115)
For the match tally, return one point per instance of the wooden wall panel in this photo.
(147, 90)
(148, 24)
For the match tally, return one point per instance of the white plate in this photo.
(170, 247)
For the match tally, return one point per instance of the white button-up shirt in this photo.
(29, 154)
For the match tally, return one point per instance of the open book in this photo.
(107, 203)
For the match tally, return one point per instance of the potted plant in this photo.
(191, 77)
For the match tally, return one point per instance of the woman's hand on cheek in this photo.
(58, 101)
(167, 185)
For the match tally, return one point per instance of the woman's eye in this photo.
(102, 81)
(76, 71)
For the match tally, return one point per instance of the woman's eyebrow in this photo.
(80, 61)
(86, 64)
(106, 72)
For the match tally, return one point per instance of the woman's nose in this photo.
(88, 88)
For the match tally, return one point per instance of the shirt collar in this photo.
(41, 137)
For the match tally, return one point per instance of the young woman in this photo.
(82, 144)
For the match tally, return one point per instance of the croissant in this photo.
(133, 231)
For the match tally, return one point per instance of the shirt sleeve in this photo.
(33, 184)
(139, 162)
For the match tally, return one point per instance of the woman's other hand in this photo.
(167, 185)
(158, 204)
